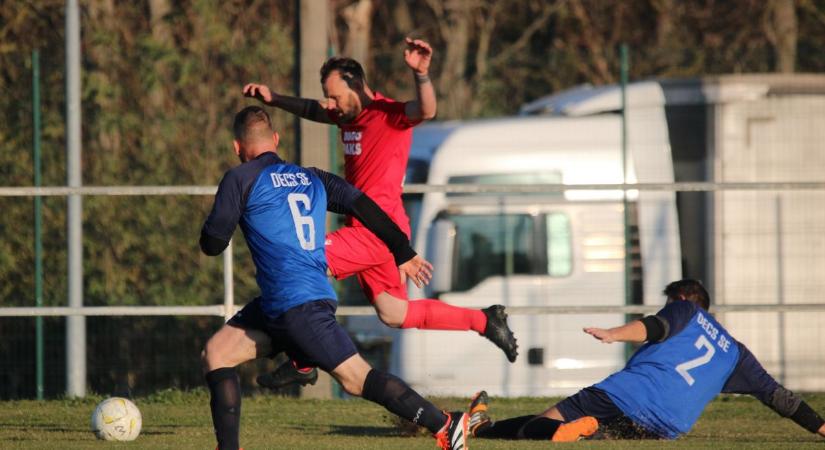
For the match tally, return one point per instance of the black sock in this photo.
(225, 387)
(540, 428)
(393, 393)
(504, 429)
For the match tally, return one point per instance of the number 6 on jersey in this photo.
(300, 220)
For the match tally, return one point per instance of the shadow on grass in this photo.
(351, 430)
(42, 427)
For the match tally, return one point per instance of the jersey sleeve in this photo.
(226, 210)
(340, 194)
(397, 116)
(334, 117)
(749, 377)
(677, 316)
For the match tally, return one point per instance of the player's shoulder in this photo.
(383, 99)
(679, 308)
(385, 104)
(326, 178)
(678, 315)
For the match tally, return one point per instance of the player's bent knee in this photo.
(354, 388)
(351, 382)
(553, 413)
(391, 319)
(352, 373)
(211, 356)
(391, 310)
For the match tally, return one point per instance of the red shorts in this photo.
(356, 251)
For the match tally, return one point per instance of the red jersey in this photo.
(376, 149)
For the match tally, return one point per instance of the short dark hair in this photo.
(251, 123)
(691, 290)
(349, 69)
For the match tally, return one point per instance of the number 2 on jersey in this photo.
(683, 368)
(307, 239)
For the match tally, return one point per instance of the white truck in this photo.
(562, 249)
(567, 249)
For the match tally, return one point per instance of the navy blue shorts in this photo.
(592, 401)
(589, 401)
(308, 333)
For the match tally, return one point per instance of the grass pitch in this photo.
(181, 420)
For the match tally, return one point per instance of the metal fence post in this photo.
(75, 325)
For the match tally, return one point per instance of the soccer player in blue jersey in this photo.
(688, 359)
(281, 209)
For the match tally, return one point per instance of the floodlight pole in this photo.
(75, 325)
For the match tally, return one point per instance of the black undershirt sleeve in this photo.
(656, 327)
(377, 221)
(343, 198)
(807, 418)
(749, 377)
(211, 245)
(226, 212)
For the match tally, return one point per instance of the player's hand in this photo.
(418, 269)
(601, 334)
(259, 91)
(418, 55)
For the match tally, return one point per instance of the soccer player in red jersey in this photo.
(377, 132)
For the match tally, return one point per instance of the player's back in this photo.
(666, 385)
(283, 217)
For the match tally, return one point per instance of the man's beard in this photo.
(346, 117)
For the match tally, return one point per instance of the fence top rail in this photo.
(697, 186)
(219, 310)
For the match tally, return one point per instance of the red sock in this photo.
(429, 314)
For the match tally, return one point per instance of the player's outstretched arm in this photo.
(632, 332)
(303, 107)
(418, 55)
(650, 328)
(750, 377)
(788, 404)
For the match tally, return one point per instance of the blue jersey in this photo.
(281, 209)
(666, 385)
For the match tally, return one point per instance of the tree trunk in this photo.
(783, 13)
(453, 86)
(358, 17)
(158, 9)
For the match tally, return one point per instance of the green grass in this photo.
(181, 420)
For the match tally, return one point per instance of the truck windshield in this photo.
(494, 244)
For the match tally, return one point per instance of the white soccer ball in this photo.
(116, 419)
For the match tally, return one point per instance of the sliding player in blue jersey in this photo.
(688, 359)
(281, 209)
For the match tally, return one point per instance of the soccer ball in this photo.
(116, 419)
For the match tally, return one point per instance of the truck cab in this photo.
(559, 248)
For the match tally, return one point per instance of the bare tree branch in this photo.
(537, 24)
(593, 42)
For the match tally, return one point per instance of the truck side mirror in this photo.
(440, 252)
